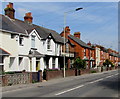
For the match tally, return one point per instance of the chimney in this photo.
(9, 10)
(28, 17)
(89, 43)
(77, 34)
(67, 32)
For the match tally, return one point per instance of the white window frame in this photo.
(33, 41)
(49, 44)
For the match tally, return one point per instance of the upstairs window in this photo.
(33, 41)
(13, 36)
(67, 47)
(48, 44)
(84, 52)
(21, 40)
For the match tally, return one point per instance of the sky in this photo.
(97, 21)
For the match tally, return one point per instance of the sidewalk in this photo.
(50, 82)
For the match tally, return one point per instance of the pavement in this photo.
(50, 82)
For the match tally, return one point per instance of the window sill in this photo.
(21, 45)
(33, 48)
(49, 50)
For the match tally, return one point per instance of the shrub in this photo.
(107, 63)
(79, 63)
(93, 71)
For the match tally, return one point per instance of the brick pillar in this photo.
(40, 76)
(68, 63)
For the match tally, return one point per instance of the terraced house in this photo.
(81, 49)
(29, 47)
(26, 46)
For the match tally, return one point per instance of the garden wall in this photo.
(21, 78)
(53, 74)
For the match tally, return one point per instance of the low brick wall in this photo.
(96, 70)
(21, 78)
(116, 67)
(58, 74)
(84, 71)
(70, 72)
(54, 74)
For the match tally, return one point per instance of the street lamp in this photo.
(65, 13)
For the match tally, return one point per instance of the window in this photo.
(12, 36)
(84, 52)
(48, 44)
(21, 41)
(11, 61)
(91, 53)
(67, 47)
(53, 63)
(1, 59)
(33, 41)
(20, 60)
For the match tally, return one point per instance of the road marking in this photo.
(69, 90)
(84, 85)
(117, 74)
(111, 75)
(96, 80)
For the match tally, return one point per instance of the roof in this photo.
(80, 42)
(3, 52)
(19, 26)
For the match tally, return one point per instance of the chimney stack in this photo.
(77, 34)
(67, 32)
(89, 43)
(28, 17)
(9, 10)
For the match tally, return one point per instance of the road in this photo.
(92, 85)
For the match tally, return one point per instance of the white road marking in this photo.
(117, 74)
(96, 80)
(69, 90)
(83, 85)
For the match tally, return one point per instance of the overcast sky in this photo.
(97, 22)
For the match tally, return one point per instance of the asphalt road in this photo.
(93, 85)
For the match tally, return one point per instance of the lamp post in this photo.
(65, 14)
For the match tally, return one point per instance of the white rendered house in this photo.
(31, 47)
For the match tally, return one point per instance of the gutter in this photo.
(13, 32)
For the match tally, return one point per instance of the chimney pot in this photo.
(28, 17)
(77, 34)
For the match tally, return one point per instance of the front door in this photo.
(37, 64)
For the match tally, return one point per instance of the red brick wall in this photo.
(70, 72)
(53, 74)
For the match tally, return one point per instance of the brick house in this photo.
(69, 49)
(81, 49)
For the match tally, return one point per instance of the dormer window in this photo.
(21, 40)
(48, 44)
(33, 41)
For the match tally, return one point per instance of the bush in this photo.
(107, 63)
(79, 63)
(93, 71)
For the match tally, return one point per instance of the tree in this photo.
(107, 63)
(79, 63)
